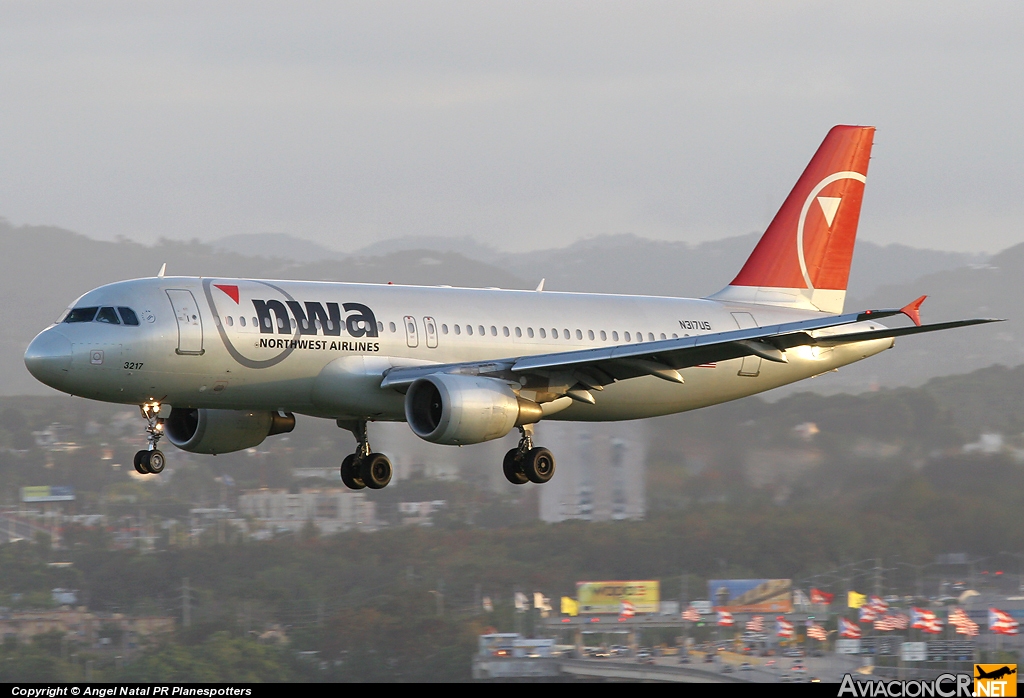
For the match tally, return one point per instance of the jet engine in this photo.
(223, 431)
(452, 409)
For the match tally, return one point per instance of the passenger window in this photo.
(469, 329)
(615, 336)
(504, 331)
(256, 323)
(230, 321)
(663, 335)
(639, 336)
(458, 329)
(128, 316)
(241, 321)
(590, 335)
(107, 315)
(543, 333)
(380, 326)
(579, 334)
(444, 329)
(604, 336)
(411, 327)
(529, 332)
(650, 336)
(627, 336)
(675, 336)
(519, 332)
(481, 328)
(391, 326)
(554, 333)
(317, 325)
(81, 315)
(494, 331)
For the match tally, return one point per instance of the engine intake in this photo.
(223, 431)
(452, 409)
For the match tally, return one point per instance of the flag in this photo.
(1002, 623)
(816, 632)
(957, 617)
(885, 623)
(783, 628)
(522, 603)
(725, 618)
(855, 600)
(821, 598)
(488, 605)
(921, 618)
(542, 602)
(867, 614)
(934, 626)
(691, 614)
(570, 607)
(848, 629)
(626, 610)
(877, 605)
(756, 624)
(800, 599)
(901, 621)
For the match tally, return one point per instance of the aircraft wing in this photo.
(592, 369)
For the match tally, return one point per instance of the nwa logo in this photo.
(313, 319)
(287, 325)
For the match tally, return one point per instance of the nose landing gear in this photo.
(364, 468)
(525, 463)
(151, 461)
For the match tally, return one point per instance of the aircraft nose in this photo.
(48, 357)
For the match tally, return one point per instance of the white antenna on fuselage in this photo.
(540, 286)
(163, 270)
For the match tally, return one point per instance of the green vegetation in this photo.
(746, 489)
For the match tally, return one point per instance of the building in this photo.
(330, 510)
(600, 471)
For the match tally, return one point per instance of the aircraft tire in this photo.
(140, 462)
(155, 461)
(513, 469)
(350, 473)
(376, 471)
(539, 465)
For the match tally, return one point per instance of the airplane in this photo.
(218, 365)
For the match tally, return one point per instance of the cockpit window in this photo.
(81, 314)
(107, 315)
(128, 316)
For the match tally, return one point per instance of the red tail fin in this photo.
(804, 256)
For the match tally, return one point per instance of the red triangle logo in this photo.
(232, 291)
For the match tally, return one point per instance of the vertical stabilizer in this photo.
(803, 258)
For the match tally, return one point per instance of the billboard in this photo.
(752, 595)
(46, 493)
(607, 597)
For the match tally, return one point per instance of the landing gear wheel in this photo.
(513, 469)
(376, 471)
(140, 462)
(539, 465)
(350, 473)
(155, 461)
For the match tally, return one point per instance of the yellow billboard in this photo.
(607, 597)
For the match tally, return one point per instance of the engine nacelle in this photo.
(452, 409)
(223, 431)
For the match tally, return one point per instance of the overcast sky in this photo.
(526, 125)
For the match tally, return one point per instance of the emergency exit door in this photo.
(190, 324)
(751, 365)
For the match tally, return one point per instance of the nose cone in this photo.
(48, 358)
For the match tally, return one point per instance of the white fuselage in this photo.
(220, 343)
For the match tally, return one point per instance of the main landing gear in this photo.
(528, 464)
(364, 468)
(151, 461)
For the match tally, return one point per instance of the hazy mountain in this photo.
(622, 263)
(43, 269)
